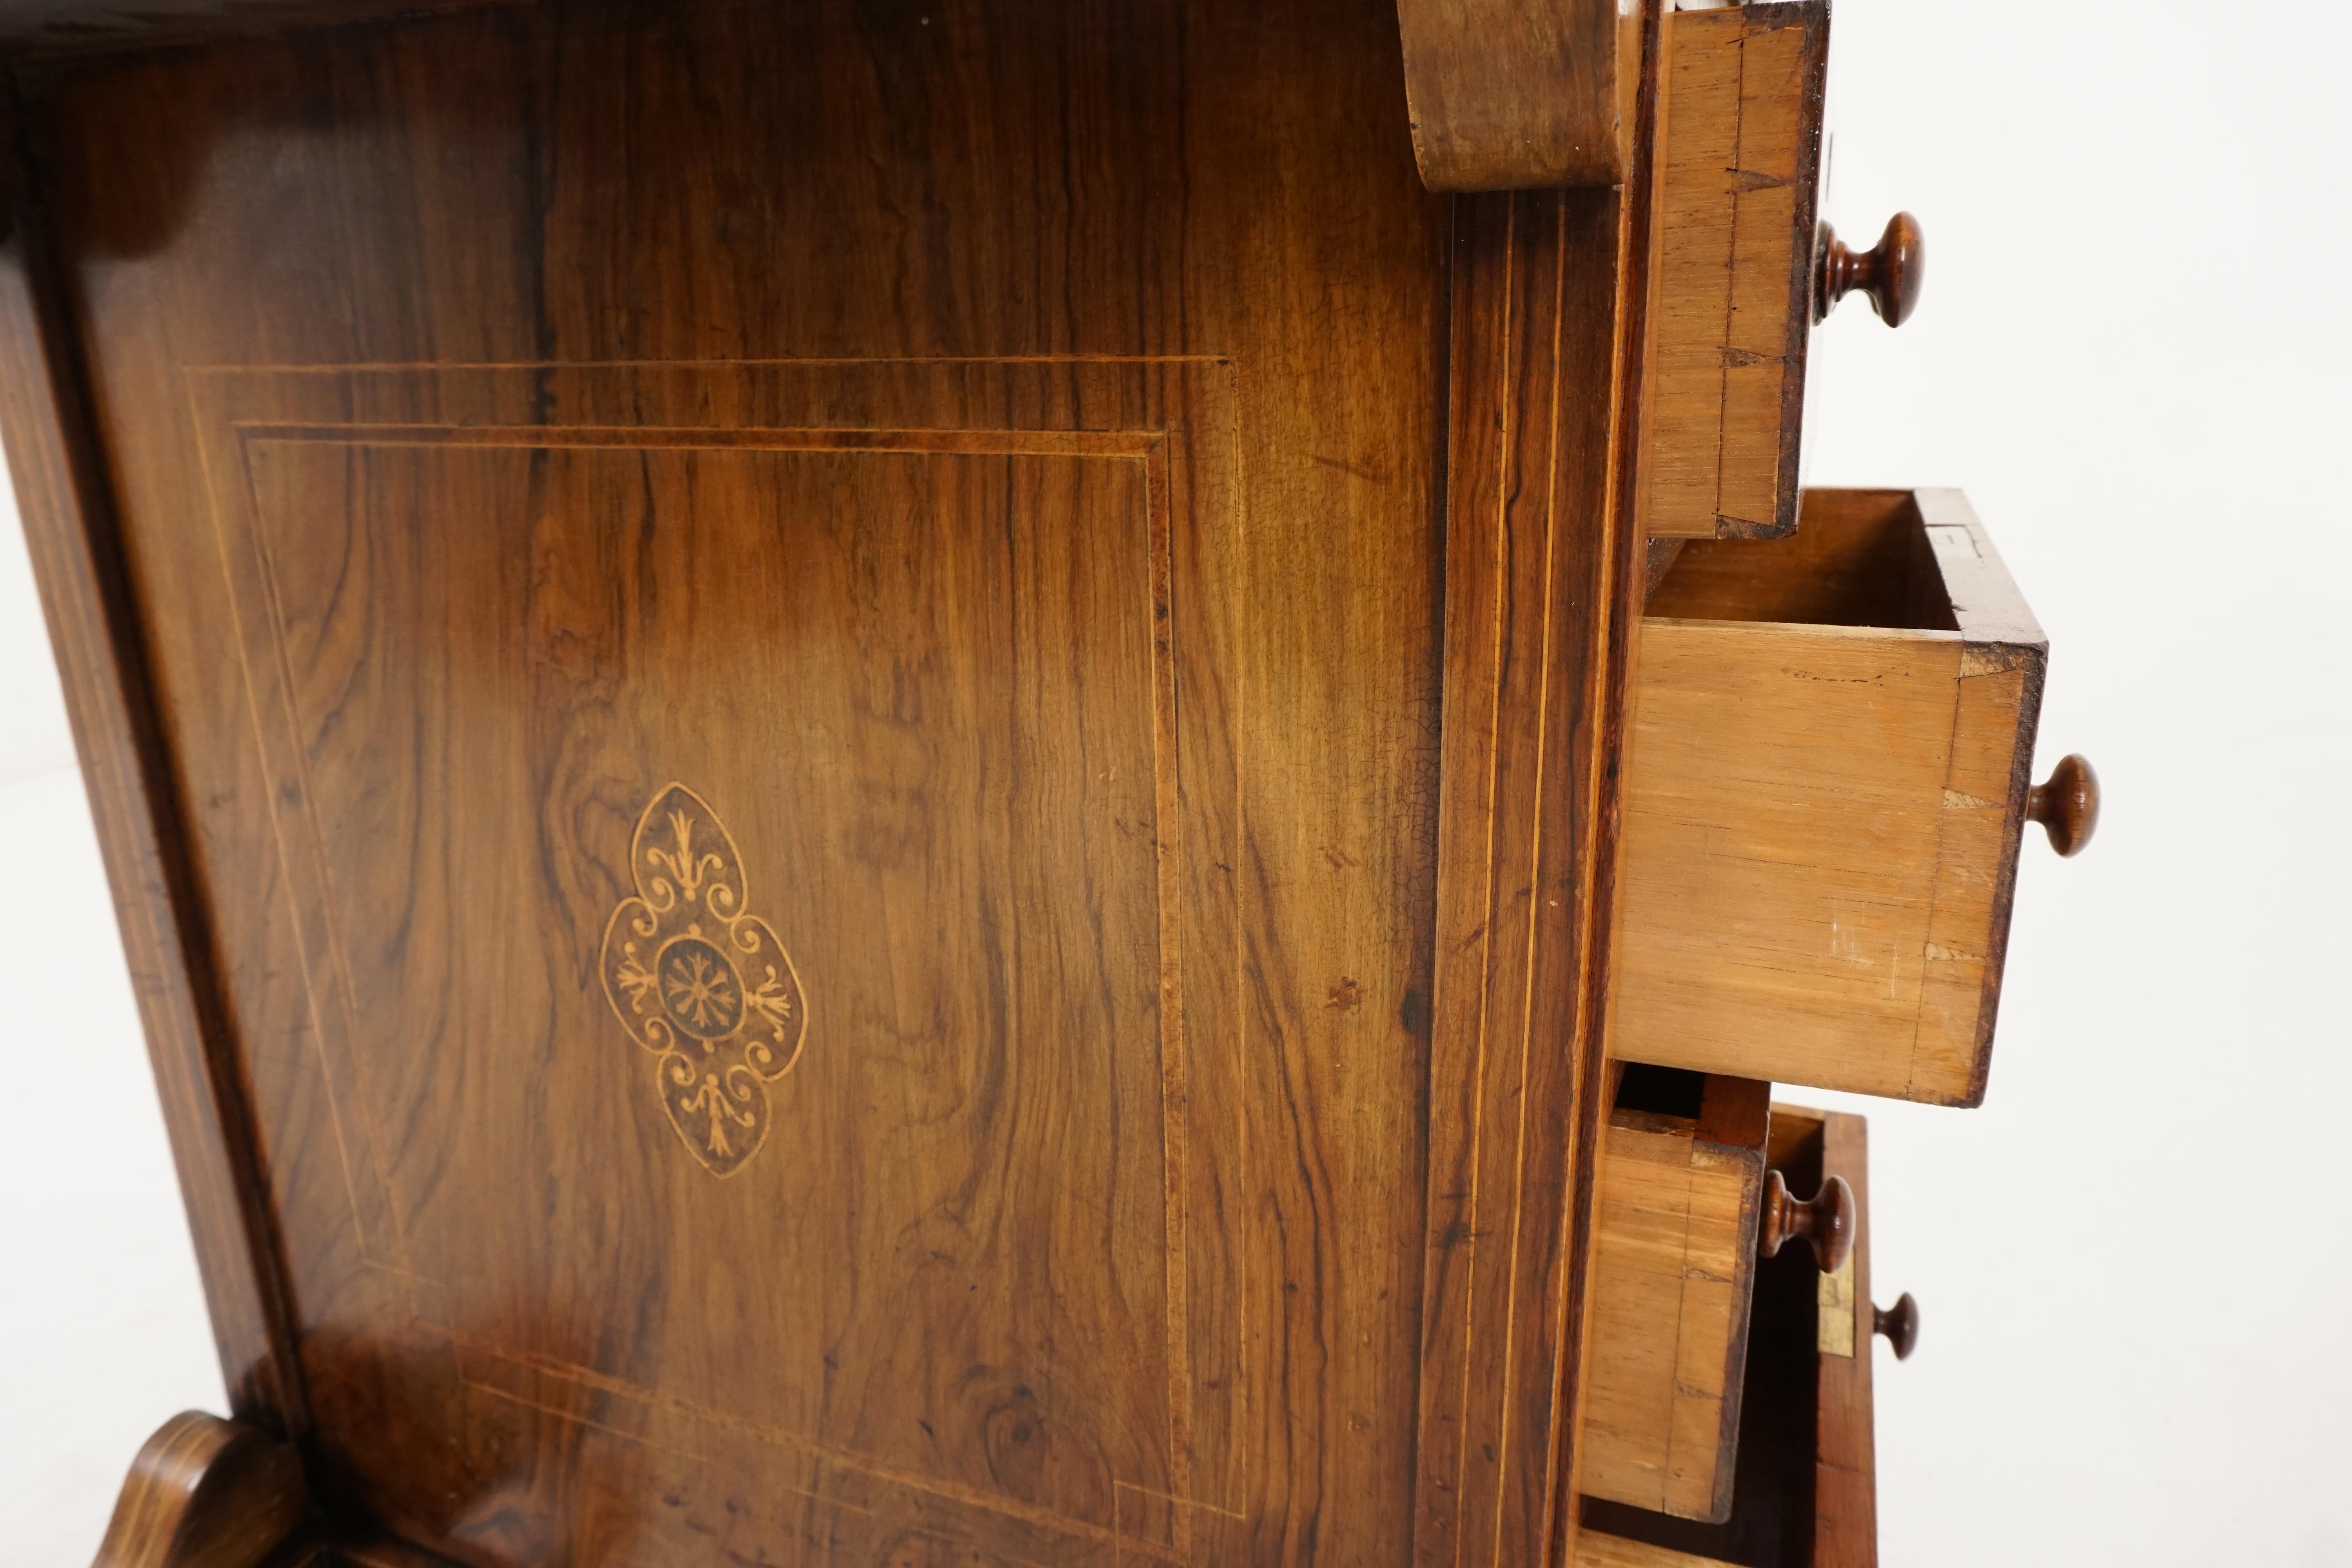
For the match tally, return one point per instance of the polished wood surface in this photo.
(1740, 127)
(1825, 801)
(1826, 1221)
(205, 1493)
(1892, 272)
(2066, 805)
(1898, 1325)
(1542, 582)
(1674, 1270)
(111, 697)
(1508, 96)
(33, 29)
(865, 506)
(864, 765)
(352, 1546)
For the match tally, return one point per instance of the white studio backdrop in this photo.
(103, 1326)
(2133, 1262)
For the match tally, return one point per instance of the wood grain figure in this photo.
(1506, 95)
(880, 775)
(1535, 694)
(1127, 595)
(205, 1493)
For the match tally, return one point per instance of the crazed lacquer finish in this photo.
(702, 983)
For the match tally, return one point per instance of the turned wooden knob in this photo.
(2066, 804)
(1890, 272)
(1826, 1223)
(1899, 1324)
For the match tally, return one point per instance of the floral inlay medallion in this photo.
(700, 982)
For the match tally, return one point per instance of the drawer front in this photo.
(1674, 1265)
(1823, 802)
(1739, 132)
(1805, 1489)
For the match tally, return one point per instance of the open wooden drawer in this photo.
(1740, 269)
(1824, 798)
(1738, 137)
(1682, 1183)
(1804, 1494)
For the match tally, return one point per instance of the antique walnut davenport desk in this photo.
(919, 784)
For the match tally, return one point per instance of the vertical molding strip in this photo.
(60, 472)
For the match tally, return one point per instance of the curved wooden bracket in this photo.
(1518, 94)
(205, 1493)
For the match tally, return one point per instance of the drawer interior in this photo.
(1858, 558)
(1824, 793)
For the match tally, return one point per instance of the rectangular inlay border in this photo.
(238, 410)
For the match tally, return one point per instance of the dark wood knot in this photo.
(2066, 804)
(1826, 1223)
(1899, 1324)
(1890, 272)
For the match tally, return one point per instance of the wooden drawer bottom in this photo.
(1804, 1493)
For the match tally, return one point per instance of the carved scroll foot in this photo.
(205, 1493)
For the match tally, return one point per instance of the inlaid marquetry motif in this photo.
(702, 983)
